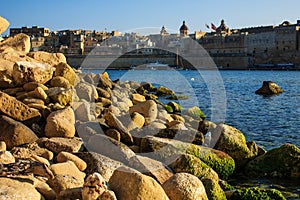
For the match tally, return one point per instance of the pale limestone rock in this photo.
(61, 95)
(3, 24)
(82, 111)
(14, 133)
(58, 144)
(37, 93)
(17, 110)
(109, 147)
(30, 150)
(60, 81)
(49, 58)
(86, 91)
(137, 98)
(157, 170)
(62, 182)
(19, 42)
(94, 186)
(25, 72)
(66, 156)
(114, 122)
(64, 70)
(67, 168)
(2, 146)
(148, 109)
(137, 121)
(6, 157)
(61, 123)
(141, 186)
(185, 186)
(99, 163)
(14, 189)
(30, 100)
(33, 85)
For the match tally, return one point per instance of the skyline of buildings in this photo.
(263, 45)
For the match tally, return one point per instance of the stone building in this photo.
(226, 47)
(37, 35)
(184, 30)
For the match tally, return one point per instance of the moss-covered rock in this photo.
(256, 193)
(221, 162)
(213, 190)
(176, 107)
(168, 108)
(162, 149)
(233, 142)
(193, 165)
(163, 91)
(279, 162)
(178, 97)
(196, 113)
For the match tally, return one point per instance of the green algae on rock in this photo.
(257, 194)
(279, 162)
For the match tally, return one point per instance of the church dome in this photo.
(183, 27)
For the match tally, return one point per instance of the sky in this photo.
(124, 16)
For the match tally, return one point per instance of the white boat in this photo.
(157, 65)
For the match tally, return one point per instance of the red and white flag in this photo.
(213, 27)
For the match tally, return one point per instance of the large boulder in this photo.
(184, 186)
(19, 42)
(128, 183)
(25, 72)
(213, 189)
(111, 148)
(9, 57)
(58, 144)
(148, 109)
(86, 91)
(282, 162)
(3, 24)
(186, 163)
(61, 123)
(150, 167)
(14, 133)
(15, 189)
(162, 149)
(17, 110)
(68, 168)
(49, 58)
(269, 88)
(64, 70)
(114, 122)
(99, 163)
(233, 142)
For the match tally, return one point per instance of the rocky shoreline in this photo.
(69, 135)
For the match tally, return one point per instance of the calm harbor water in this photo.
(270, 121)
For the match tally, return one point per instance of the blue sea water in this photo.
(229, 96)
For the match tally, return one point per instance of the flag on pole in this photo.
(207, 26)
(213, 27)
